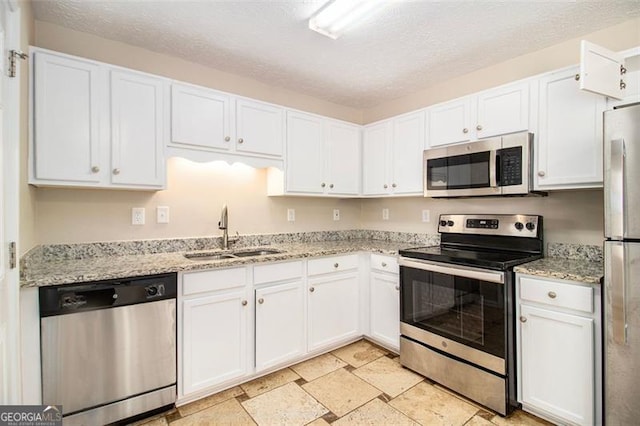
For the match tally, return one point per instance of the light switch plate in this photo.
(336, 214)
(385, 214)
(426, 216)
(291, 215)
(162, 214)
(137, 216)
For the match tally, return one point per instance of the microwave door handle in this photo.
(493, 183)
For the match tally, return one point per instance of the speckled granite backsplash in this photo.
(79, 251)
(575, 252)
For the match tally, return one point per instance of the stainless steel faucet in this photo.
(224, 225)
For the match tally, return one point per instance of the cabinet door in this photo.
(503, 110)
(137, 129)
(214, 331)
(557, 354)
(569, 143)
(376, 157)
(66, 120)
(304, 163)
(385, 309)
(450, 122)
(200, 117)
(342, 161)
(259, 128)
(333, 309)
(280, 324)
(408, 146)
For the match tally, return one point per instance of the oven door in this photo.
(455, 309)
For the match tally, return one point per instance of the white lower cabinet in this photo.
(384, 312)
(559, 350)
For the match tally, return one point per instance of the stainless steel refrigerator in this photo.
(622, 266)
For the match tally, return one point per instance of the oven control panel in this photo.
(505, 225)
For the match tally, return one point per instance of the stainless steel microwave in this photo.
(495, 166)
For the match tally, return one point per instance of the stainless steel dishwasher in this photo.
(109, 348)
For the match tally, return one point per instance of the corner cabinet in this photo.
(392, 156)
(559, 350)
(568, 148)
(94, 125)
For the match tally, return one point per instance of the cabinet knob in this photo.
(244, 303)
(552, 294)
(465, 130)
(331, 186)
(240, 140)
(478, 127)
(261, 301)
(227, 138)
(397, 287)
(335, 265)
(95, 169)
(323, 184)
(311, 289)
(541, 173)
(386, 186)
(384, 265)
(116, 171)
(393, 185)
(523, 319)
(577, 77)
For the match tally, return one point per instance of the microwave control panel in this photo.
(510, 166)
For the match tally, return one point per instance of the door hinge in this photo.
(14, 55)
(12, 255)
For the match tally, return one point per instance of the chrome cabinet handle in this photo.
(384, 265)
(95, 169)
(116, 171)
(323, 184)
(261, 301)
(244, 303)
(335, 265)
(312, 289)
(240, 140)
(393, 185)
(523, 319)
(478, 127)
(386, 186)
(552, 294)
(541, 173)
(465, 130)
(331, 186)
(227, 138)
(397, 287)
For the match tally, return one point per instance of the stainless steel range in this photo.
(457, 304)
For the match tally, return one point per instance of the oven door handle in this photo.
(460, 271)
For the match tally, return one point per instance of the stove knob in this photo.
(531, 226)
(449, 223)
(443, 223)
(519, 226)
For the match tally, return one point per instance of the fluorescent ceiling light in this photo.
(337, 15)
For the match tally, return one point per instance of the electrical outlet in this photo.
(137, 216)
(336, 214)
(385, 214)
(291, 215)
(162, 214)
(426, 216)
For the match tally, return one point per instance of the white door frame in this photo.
(10, 393)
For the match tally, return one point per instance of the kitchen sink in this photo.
(205, 256)
(259, 252)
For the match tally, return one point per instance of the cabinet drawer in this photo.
(326, 265)
(562, 295)
(384, 263)
(263, 274)
(206, 281)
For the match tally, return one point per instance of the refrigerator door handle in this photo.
(615, 193)
(617, 293)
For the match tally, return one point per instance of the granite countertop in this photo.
(580, 270)
(45, 272)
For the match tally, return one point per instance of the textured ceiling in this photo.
(409, 46)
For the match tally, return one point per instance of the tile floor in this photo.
(359, 384)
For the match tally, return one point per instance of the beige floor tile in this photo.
(478, 421)
(519, 417)
(341, 391)
(319, 422)
(160, 421)
(209, 401)
(359, 353)
(431, 406)
(318, 366)
(287, 404)
(269, 382)
(388, 375)
(229, 412)
(375, 412)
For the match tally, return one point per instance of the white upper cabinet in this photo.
(323, 158)
(392, 156)
(497, 111)
(66, 121)
(200, 117)
(95, 125)
(137, 129)
(259, 128)
(568, 149)
(601, 71)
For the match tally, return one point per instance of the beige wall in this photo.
(570, 216)
(196, 192)
(620, 37)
